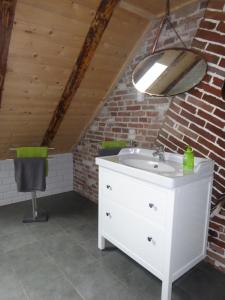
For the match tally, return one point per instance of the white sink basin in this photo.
(144, 159)
(149, 165)
(141, 164)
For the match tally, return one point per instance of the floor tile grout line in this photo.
(24, 245)
(25, 292)
(20, 283)
(45, 254)
(65, 277)
(62, 272)
(71, 283)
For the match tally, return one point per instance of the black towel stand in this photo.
(37, 216)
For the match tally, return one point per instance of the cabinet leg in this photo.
(101, 242)
(166, 290)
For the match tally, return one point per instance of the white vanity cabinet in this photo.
(163, 229)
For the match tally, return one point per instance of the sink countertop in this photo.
(203, 167)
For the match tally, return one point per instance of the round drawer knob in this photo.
(108, 214)
(152, 206)
(149, 238)
(108, 187)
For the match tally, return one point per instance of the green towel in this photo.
(29, 152)
(113, 144)
(26, 152)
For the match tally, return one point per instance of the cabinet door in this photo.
(140, 197)
(134, 235)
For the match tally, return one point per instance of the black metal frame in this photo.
(36, 215)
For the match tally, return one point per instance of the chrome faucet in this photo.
(159, 151)
(132, 143)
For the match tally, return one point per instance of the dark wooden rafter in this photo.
(7, 12)
(92, 40)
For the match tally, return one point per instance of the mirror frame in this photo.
(175, 48)
(223, 90)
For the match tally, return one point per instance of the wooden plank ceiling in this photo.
(46, 40)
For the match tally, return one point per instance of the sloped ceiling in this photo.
(46, 40)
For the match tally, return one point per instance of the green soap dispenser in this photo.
(188, 160)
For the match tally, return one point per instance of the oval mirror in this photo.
(169, 72)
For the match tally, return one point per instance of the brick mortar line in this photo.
(217, 191)
(217, 66)
(189, 121)
(170, 142)
(209, 43)
(215, 9)
(217, 76)
(222, 256)
(214, 222)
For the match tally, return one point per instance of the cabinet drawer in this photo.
(135, 195)
(136, 234)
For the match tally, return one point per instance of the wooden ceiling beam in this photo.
(92, 40)
(7, 13)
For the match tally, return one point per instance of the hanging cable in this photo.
(166, 18)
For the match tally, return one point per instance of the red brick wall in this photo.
(198, 117)
(127, 113)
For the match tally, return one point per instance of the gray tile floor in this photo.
(59, 260)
